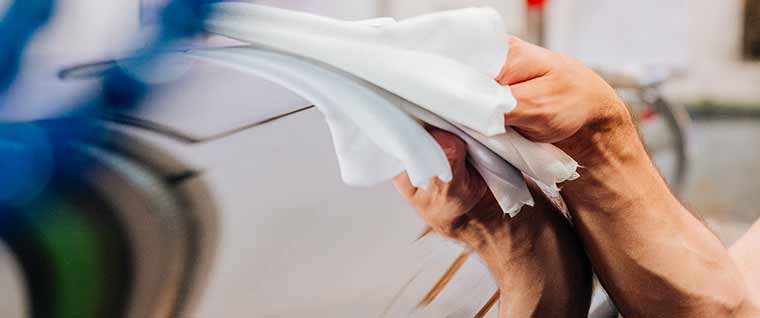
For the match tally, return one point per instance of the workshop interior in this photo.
(135, 182)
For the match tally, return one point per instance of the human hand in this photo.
(465, 209)
(635, 231)
(533, 256)
(561, 101)
(451, 209)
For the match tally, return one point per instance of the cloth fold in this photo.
(440, 62)
(372, 79)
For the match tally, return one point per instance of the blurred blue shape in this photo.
(180, 19)
(22, 20)
(26, 163)
(25, 159)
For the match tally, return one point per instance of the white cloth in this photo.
(367, 78)
(380, 140)
(443, 62)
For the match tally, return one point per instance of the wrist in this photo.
(485, 229)
(607, 138)
(536, 256)
(506, 243)
(616, 171)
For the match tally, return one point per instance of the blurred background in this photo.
(703, 37)
(709, 45)
(689, 70)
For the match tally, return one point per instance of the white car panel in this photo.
(295, 241)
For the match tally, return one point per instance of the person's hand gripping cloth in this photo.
(443, 62)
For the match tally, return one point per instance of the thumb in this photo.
(525, 62)
(532, 117)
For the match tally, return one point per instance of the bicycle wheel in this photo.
(664, 127)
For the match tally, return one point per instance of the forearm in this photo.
(745, 256)
(538, 263)
(536, 258)
(744, 253)
(653, 255)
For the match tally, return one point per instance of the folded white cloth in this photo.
(443, 62)
(368, 77)
(378, 140)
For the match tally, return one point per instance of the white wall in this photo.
(701, 37)
(350, 10)
(610, 32)
(717, 71)
(511, 10)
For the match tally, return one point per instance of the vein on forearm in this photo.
(651, 252)
(538, 264)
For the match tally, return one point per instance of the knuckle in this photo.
(515, 43)
(553, 123)
(544, 118)
(452, 146)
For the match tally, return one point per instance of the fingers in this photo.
(525, 72)
(528, 96)
(454, 148)
(404, 186)
(547, 110)
(525, 61)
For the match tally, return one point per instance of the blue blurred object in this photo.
(26, 162)
(25, 154)
(120, 89)
(68, 238)
(21, 158)
(22, 20)
(150, 11)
